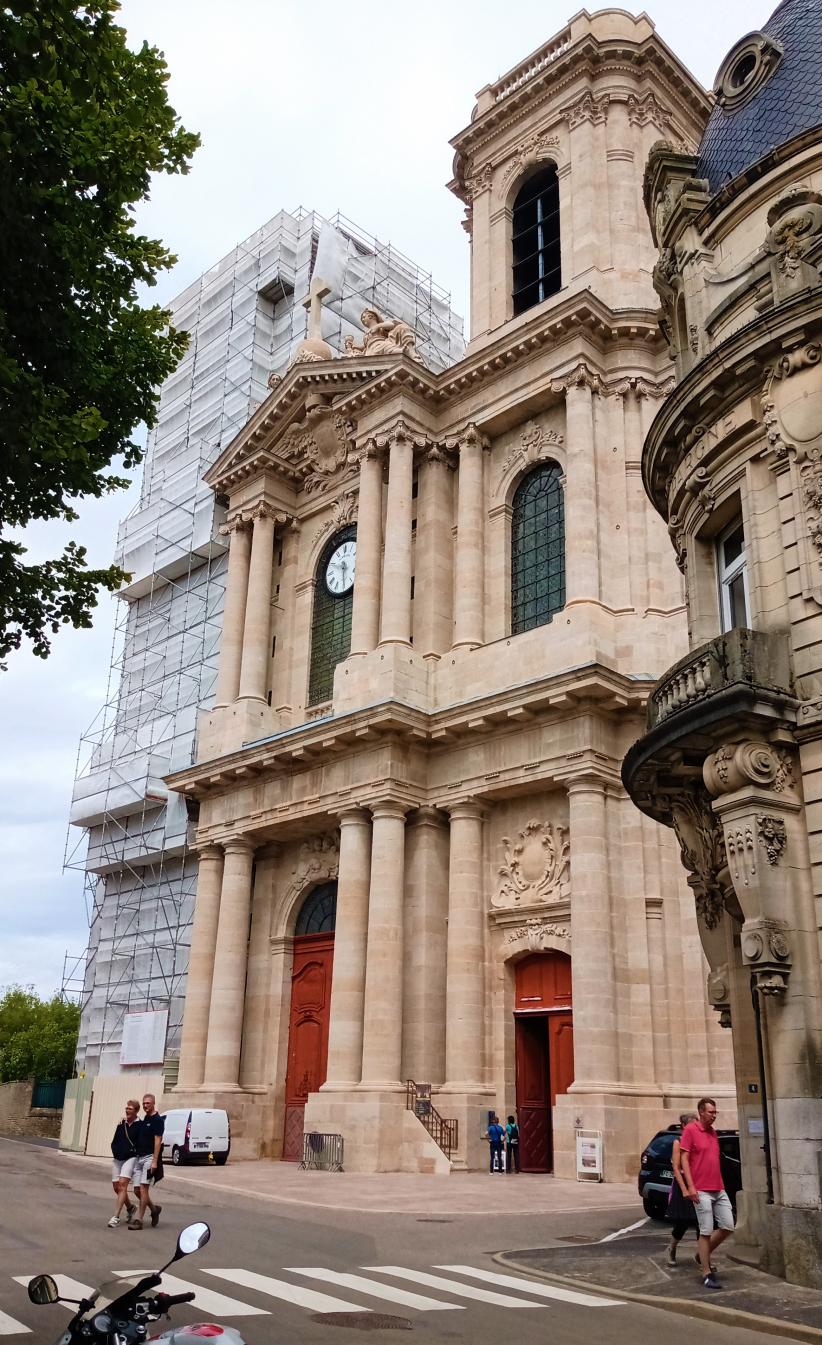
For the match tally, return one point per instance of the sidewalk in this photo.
(399, 1193)
(634, 1267)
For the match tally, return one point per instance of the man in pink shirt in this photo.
(699, 1146)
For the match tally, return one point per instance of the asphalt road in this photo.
(276, 1271)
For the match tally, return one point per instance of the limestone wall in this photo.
(18, 1117)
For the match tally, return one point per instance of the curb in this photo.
(686, 1307)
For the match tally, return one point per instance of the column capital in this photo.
(429, 816)
(239, 523)
(586, 782)
(466, 808)
(353, 816)
(389, 808)
(580, 379)
(262, 510)
(239, 845)
(400, 433)
(439, 455)
(470, 436)
(370, 451)
(209, 850)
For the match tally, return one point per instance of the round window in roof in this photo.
(746, 68)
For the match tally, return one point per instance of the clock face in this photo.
(339, 574)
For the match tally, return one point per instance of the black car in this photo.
(656, 1173)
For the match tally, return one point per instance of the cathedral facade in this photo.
(424, 893)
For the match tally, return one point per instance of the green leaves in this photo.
(84, 122)
(37, 1037)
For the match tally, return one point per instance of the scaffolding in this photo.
(245, 318)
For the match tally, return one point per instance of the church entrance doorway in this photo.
(310, 1010)
(544, 1032)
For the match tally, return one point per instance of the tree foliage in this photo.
(84, 122)
(37, 1036)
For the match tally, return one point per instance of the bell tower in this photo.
(550, 169)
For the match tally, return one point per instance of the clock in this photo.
(339, 572)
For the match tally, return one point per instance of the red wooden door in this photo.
(307, 1033)
(544, 1051)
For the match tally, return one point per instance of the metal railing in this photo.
(444, 1133)
(322, 1151)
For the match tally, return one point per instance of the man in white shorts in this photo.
(149, 1148)
(123, 1160)
(699, 1147)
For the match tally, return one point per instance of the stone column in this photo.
(396, 572)
(470, 553)
(465, 953)
(382, 1026)
(581, 542)
(287, 603)
(596, 1058)
(348, 984)
(201, 967)
(225, 1019)
(365, 617)
(231, 638)
(622, 198)
(426, 929)
(258, 996)
(434, 556)
(257, 631)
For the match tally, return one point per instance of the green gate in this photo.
(48, 1093)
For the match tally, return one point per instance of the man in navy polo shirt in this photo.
(149, 1143)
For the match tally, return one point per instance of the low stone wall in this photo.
(18, 1117)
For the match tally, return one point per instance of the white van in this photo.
(195, 1132)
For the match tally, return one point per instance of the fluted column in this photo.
(434, 555)
(596, 1058)
(581, 549)
(225, 1019)
(350, 943)
(365, 617)
(469, 596)
(257, 630)
(396, 573)
(382, 1025)
(465, 952)
(231, 638)
(201, 967)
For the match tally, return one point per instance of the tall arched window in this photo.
(318, 913)
(535, 231)
(537, 549)
(331, 618)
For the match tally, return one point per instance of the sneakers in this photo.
(710, 1263)
(710, 1282)
(135, 1223)
(114, 1221)
(156, 1211)
(670, 1259)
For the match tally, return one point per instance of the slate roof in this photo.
(789, 103)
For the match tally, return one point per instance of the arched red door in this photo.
(310, 1012)
(544, 1051)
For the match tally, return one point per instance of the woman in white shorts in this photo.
(123, 1160)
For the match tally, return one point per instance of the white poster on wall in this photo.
(144, 1038)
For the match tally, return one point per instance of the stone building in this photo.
(732, 756)
(412, 768)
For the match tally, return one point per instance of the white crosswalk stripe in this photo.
(208, 1300)
(289, 1293)
(376, 1290)
(531, 1287)
(9, 1326)
(460, 1290)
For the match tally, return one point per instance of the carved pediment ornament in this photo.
(343, 512)
(318, 860)
(535, 445)
(536, 866)
(536, 931)
(383, 336)
(318, 447)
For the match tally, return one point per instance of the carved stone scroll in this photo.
(536, 866)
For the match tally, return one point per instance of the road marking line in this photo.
(629, 1229)
(66, 1288)
(289, 1293)
(207, 1300)
(461, 1290)
(531, 1287)
(374, 1289)
(9, 1326)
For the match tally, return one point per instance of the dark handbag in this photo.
(159, 1171)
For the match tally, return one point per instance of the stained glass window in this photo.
(535, 236)
(318, 912)
(330, 625)
(537, 549)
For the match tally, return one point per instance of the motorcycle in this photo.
(124, 1318)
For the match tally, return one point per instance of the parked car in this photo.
(193, 1133)
(656, 1173)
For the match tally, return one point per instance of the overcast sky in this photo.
(325, 105)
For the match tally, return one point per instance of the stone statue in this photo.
(383, 336)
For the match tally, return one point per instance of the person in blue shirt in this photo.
(496, 1136)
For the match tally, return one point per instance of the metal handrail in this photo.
(444, 1133)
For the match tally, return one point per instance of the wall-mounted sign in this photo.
(589, 1155)
(756, 1125)
(144, 1038)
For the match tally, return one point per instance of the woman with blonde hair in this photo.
(124, 1157)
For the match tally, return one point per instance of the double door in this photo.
(307, 1033)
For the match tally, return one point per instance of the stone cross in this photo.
(318, 290)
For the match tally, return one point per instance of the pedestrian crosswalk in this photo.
(448, 1288)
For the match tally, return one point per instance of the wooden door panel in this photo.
(561, 1048)
(533, 1103)
(307, 1033)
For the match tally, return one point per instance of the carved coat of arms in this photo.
(536, 866)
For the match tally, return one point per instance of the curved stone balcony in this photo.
(743, 658)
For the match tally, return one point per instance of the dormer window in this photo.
(535, 233)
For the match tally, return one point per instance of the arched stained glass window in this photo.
(331, 618)
(535, 239)
(318, 913)
(537, 549)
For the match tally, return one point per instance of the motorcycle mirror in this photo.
(43, 1289)
(191, 1239)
